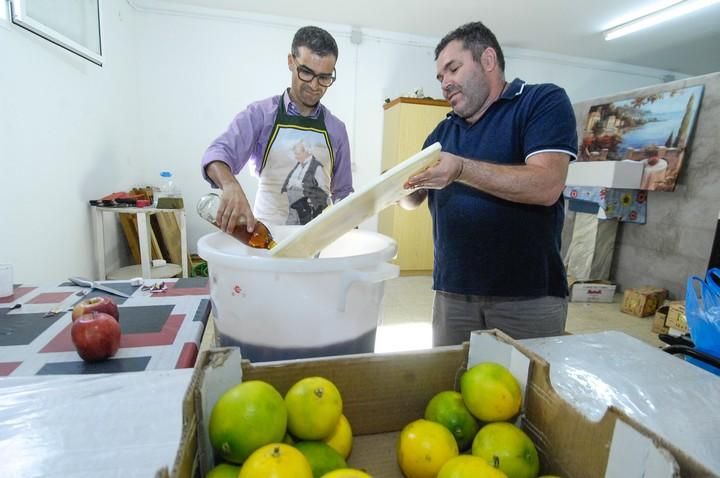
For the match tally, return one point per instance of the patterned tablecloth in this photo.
(160, 330)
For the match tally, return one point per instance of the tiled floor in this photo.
(408, 310)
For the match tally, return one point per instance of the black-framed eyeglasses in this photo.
(307, 75)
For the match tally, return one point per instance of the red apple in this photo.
(96, 336)
(100, 303)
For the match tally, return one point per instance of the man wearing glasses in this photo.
(267, 132)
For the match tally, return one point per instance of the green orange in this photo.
(468, 466)
(224, 470)
(341, 437)
(491, 392)
(346, 473)
(314, 406)
(508, 448)
(448, 409)
(246, 417)
(322, 458)
(423, 448)
(276, 460)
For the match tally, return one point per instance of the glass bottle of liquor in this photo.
(260, 238)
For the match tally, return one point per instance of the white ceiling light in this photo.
(664, 14)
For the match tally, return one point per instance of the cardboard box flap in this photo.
(486, 347)
(635, 454)
(219, 372)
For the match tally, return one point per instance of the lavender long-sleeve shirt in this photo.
(247, 137)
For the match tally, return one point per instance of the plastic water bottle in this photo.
(167, 188)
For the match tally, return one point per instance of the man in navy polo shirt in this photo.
(496, 195)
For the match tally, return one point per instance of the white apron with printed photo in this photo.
(296, 173)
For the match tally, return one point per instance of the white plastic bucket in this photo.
(278, 308)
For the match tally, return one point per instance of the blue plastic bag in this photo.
(702, 310)
(713, 275)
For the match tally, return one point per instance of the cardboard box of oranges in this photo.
(382, 393)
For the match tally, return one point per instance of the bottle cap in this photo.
(166, 174)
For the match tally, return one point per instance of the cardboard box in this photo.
(676, 318)
(643, 301)
(610, 174)
(658, 324)
(384, 392)
(592, 291)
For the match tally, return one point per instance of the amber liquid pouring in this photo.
(260, 238)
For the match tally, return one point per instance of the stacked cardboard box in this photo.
(643, 301)
(592, 291)
(676, 321)
(658, 325)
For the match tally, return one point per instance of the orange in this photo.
(341, 438)
(468, 466)
(276, 460)
(314, 406)
(490, 392)
(423, 448)
(508, 448)
(322, 458)
(448, 409)
(246, 417)
(346, 473)
(224, 470)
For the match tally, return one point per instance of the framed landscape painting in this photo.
(654, 129)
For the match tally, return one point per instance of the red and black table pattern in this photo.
(160, 330)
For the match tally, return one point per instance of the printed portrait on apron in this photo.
(296, 176)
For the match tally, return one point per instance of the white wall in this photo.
(173, 80)
(65, 138)
(217, 62)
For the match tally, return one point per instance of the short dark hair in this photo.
(316, 39)
(475, 37)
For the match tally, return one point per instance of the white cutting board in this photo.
(338, 219)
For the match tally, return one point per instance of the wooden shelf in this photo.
(146, 240)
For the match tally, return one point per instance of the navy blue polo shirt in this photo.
(489, 246)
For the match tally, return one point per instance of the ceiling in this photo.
(690, 44)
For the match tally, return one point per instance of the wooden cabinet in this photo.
(407, 123)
